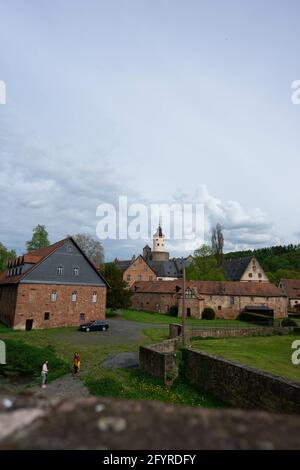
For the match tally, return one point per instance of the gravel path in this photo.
(127, 360)
(62, 388)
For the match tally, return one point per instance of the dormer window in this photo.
(188, 293)
(60, 270)
(76, 271)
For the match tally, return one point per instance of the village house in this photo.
(291, 288)
(227, 298)
(55, 286)
(245, 269)
(153, 265)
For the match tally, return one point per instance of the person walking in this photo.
(44, 374)
(76, 363)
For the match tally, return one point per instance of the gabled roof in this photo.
(291, 287)
(234, 288)
(164, 268)
(123, 265)
(36, 257)
(235, 267)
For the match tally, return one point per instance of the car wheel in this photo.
(87, 330)
(103, 328)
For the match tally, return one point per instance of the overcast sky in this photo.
(184, 100)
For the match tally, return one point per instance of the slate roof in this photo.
(36, 257)
(235, 267)
(291, 287)
(234, 288)
(170, 268)
(123, 265)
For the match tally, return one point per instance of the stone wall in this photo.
(8, 298)
(228, 332)
(241, 386)
(34, 300)
(153, 302)
(225, 306)
(158, 360)
(122, 425)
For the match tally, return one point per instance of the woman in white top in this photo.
(44, 374)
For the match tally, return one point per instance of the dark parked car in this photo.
(97, 325)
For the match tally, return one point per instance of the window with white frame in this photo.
(94, 297)
(74, 296)
(59, 270)
(53, 296)
(76, 271)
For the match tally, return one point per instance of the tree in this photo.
(217, 243)
(204, 266)
(118, 296)
(39, 239)
(5, 256)
(91, 247)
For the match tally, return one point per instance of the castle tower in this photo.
(159, 240)
(159, 253)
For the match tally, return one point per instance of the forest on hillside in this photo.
(278, 262)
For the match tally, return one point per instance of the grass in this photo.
(271, 354)
(133, 384)
(124, 383)
(26, 360)
(158, 318)
(156, 335)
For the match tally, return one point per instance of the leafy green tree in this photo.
(5, 256)
(118, 296)
(39, 239)
(277, 261)
(205, 266)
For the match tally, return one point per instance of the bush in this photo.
(288, 322)
(208, 313)
(173, 311)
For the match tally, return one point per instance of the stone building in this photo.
(154, 264)
(291, 288)
(137, 270)
(227, 298)
(245, 269)
(55, 286)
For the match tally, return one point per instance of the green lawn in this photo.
(124, 383)
(147, 317)
(271, 354)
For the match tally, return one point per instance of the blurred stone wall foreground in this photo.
(29, 422)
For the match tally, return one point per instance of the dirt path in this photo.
(62, 388)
